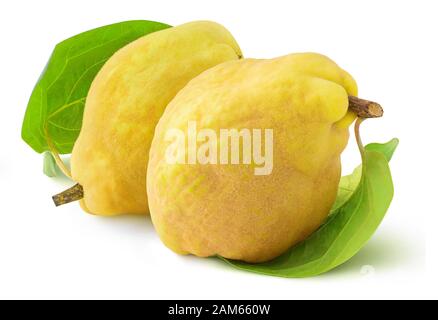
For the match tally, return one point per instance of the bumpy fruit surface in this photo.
(227, 210)
(124, 104)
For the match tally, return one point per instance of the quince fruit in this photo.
(206, 204)
(124, 104)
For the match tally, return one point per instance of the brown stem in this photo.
(75, 193)
(365, 108)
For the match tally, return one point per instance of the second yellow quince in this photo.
(125, 102)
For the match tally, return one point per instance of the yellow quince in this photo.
(203, 202)
(124, 104)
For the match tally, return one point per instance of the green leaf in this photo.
(49, 165)
(346, 230)
(55, 109)
(349, 183)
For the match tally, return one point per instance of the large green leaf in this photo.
(346, 230)
(55, 109)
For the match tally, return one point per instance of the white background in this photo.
(388, 46)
